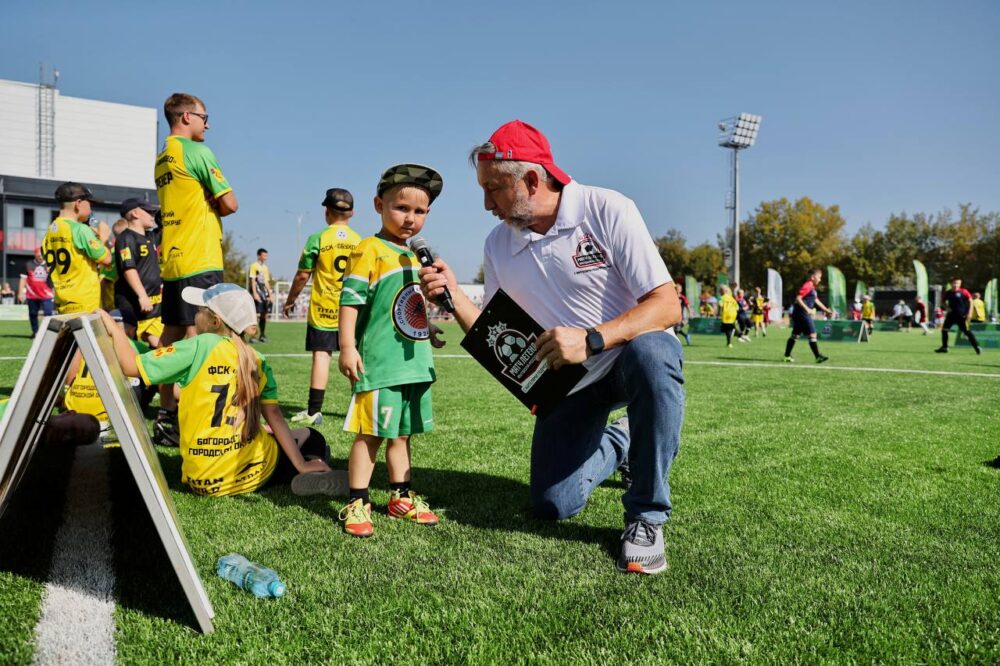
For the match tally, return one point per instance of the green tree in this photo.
(968, 246)
(790, 238)
(234, 263)
(672, 247)
(705, 261)
(480, 276)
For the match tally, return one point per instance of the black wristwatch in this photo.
(595, 341)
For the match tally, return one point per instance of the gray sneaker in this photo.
(332, 483)
(642, 549)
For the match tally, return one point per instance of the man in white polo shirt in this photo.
(581, 262)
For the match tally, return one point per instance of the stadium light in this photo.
(298, 226)
(738, 134)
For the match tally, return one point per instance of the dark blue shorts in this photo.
(802, 324)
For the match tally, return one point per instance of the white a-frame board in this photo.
(35, 394)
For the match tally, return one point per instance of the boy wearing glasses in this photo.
(194, 197)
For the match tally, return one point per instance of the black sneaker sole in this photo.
(162, 437)
(333, 484)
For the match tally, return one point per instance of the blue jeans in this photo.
(34, 305)
(573, 450)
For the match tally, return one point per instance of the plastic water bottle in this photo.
(240, 571)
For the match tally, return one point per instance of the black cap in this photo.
(339, 200)
(74, 192)
(135, 202)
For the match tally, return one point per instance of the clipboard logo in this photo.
(517, 354)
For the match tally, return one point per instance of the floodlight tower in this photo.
(737, 133)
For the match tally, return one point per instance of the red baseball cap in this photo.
(520, 141)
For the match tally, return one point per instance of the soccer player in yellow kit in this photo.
(194, 197)
(868, 312)
(259, 286)
(74, 253)
(728, 309)
(324, 259)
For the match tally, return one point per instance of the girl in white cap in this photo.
(225, 388)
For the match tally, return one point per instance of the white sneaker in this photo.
(305, 417)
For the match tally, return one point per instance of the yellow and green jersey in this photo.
(867, 310)
(392, 331)
(326, 255)
(82, 397)
(72, 250)
(187, 178)
(728, 307)
(215, 459)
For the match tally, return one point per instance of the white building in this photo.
(46, 139)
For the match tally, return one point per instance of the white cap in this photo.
(231, 302)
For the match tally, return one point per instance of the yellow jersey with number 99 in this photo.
(72, 249)
(215, 458)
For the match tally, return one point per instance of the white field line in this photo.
(735, 364)
(792, 366)
(77, 624)
(772, 366)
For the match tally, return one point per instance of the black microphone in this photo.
(420, 248)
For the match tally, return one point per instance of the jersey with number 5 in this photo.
(326, 254)
(215, 459)
(72, 249)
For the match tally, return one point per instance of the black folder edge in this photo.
(502, 307)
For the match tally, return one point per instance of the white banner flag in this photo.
(774, 287)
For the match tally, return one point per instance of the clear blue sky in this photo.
(879, 107)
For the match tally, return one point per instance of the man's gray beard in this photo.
(521, 214)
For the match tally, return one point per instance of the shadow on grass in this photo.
(23, 336)
(290, 409)
(145, 580)
(34, 513)
(995, 463)
(474, 499)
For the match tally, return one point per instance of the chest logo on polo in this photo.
(409, 314)
(589, 254)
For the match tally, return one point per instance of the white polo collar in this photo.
(569, 215)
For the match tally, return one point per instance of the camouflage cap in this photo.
(412, 174)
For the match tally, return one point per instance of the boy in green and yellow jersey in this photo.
(385, 348)
(194, 197)
(74, 253)
(324, 259)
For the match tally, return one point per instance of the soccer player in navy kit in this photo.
(959, 302)
(802, 324)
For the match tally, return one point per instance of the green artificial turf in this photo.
(819, 515)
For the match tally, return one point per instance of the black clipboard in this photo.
(503, 341)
